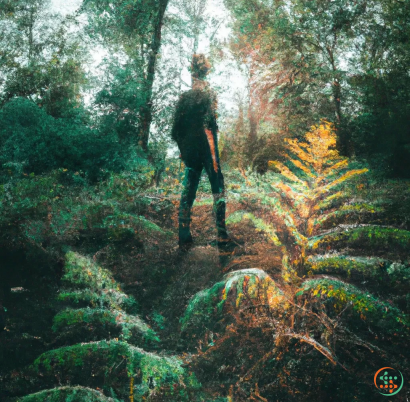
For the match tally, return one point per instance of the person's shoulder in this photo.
(192, 93)
(194, 96)
(187, 95)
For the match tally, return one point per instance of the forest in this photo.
(300, 292)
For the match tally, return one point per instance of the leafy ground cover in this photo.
(103, 305)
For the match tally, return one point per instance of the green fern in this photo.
(374, 238)
(337, 294)
(207, 307)
(68, 394)
(108, 359)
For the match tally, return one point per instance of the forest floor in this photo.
(364, 276)
(164, 279)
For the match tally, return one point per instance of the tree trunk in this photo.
(146, 110)
(343, 140)
(30, 36)
(197, 23)
(335, 84)
(252, 116)
(336, 97)
(253, 123)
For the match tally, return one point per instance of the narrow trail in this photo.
(150, 276)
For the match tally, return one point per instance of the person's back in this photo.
(195, 131)
(194, 114)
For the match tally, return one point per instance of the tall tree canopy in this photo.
(329, 59)
(135, 28)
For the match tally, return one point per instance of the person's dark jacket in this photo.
(194, 113)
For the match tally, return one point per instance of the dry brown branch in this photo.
(322, 349)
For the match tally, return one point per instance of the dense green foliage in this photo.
(343, 61)
(46, 143)
(68, 394)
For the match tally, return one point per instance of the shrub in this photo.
(28, 135)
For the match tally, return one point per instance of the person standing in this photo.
(195, 131)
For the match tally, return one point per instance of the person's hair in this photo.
(200, 66)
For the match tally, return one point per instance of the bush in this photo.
(28, 135)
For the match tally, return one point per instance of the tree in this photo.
(380, 84)
(193, 11)
(41, 143)
(343, 61)
(300, 48)
(42, 59)
(135, 30)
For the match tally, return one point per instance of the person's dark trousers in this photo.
(192, 177)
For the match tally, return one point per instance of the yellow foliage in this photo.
(308, 195)
(302, 166)
(285, 171)
(339, 165)
(252, 284)
(340, 180)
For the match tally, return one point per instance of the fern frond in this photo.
(259, 224)
(346, 176)
(337, 166)
(302, 166)
(286, 172)
(75, 393)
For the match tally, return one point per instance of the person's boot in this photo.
(224, 240)
(185, 241)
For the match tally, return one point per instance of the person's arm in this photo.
(212, 113)
(211, 130)
(212, 145)
(175, 125)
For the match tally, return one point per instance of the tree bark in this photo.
(343, 140)
(252, 115)
(146, 110)
(30, 35)
(335, 85)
